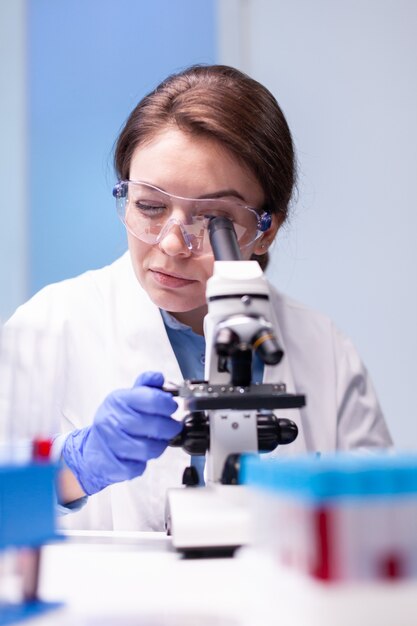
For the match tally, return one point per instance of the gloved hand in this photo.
(129, 428)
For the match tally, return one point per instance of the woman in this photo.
(207, 141)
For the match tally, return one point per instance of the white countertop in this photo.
(135, 579)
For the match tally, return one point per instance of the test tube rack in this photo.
(340, 518)
(27, 522)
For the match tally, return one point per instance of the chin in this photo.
(168, 302)
(184, 307)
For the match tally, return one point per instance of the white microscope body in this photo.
(238, 300)
(229, 415)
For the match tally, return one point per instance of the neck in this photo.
(194, 318)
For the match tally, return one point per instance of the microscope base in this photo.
(208, 521)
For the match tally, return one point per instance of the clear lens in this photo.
(149, 214)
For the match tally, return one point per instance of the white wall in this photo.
(345, 74)
(13, 175)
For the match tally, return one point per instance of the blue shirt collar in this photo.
(172, 321)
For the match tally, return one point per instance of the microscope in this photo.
(228, 414)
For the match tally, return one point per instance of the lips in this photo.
(170, 280)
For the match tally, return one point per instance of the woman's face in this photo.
(183, 165)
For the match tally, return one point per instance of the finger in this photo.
(133, 424)
(145, 400)
(150, 379)
(152, 426)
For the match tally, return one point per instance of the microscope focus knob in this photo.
(195, 435)
(190, 477)
(231, 469)
(288, 431)
(273, 432)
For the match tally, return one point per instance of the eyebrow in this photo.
(224, 193)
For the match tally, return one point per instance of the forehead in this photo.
(191, 166)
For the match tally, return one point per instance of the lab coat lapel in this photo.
(283, 373)
(142, 344)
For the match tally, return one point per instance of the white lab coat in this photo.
(110, 331)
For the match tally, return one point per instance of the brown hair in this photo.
(224, 104)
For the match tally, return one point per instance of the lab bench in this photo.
(136, 579)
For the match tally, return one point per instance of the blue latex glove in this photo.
(129, 428)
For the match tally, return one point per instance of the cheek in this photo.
(138, 253)
(205, 266)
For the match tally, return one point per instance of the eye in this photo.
(220, 207)
(214, 211)
(150, 208)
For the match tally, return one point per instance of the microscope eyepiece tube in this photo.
(223, 239)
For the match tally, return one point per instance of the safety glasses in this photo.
(150, 214)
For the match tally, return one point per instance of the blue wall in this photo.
(13, 178)
(89, 62)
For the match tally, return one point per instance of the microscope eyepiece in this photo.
(223, 239)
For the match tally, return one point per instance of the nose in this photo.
(172, 240)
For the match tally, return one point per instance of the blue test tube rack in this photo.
(27, 521)
(344, 517)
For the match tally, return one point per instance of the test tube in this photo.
(29, 376)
